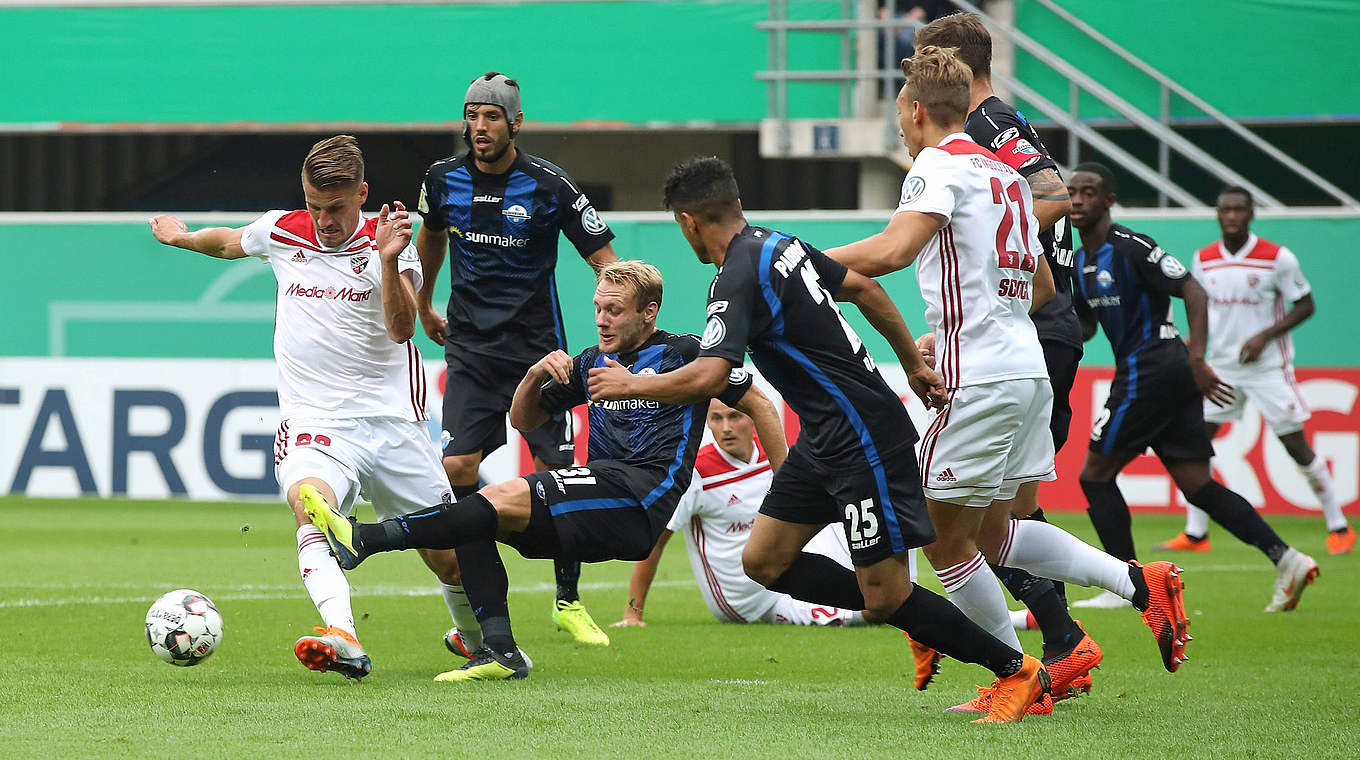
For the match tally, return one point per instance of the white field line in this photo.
(269, 592)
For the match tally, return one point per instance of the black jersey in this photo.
(657, 441)
(1127, 282)
(773, 297)
(503, 232)
(997, 126)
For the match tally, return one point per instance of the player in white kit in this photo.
(1257, 295)
(966, 220)
(716, 514)
(350, 380)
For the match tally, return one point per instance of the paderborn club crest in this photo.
(357, 263)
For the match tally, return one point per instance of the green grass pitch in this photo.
(76, 578)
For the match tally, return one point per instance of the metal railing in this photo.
(779, 75)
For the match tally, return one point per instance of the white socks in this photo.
(1320, 480)
(325, 581)
(1048, 551)
(974, 589)
(1196, 521)
(461, 610)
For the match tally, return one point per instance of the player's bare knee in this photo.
(882, 596)
(462, 468)
(763, 566)
(1298, 448)
(511, 501)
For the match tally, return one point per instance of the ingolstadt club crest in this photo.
(358, 262)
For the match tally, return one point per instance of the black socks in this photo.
(1040, 595)
(487, 587)
(443, 527)
(568, 574)
(934, 621)
(819, 579)
(1235, 513)
(1110, 516)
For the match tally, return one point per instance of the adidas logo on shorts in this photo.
(947, 476)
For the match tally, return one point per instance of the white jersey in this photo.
(716, 515)
(976, 274)
(1249, 290)
(330, 340)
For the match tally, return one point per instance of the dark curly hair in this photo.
(703, 187)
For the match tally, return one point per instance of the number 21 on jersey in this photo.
(1007, 258)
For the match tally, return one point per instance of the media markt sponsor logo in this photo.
(330, 293)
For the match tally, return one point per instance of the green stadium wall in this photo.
(108, 289)
(1252, 59)
(631, 63)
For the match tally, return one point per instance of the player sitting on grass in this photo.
(350, 378)
(640, 463)
(716, 515)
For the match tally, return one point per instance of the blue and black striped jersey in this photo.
(657, 441)
(503, 233)
(1127, 283)
(774, 298)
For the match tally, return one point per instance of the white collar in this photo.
(734, 461)
(955, 136)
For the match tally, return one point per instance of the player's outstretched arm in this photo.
(218, 242)
(602, 258)
(882, 313)
(756, 405)
(526, 409)
(700, 380)
(1051, 200)
(430, 246)
(392, 237)
(893, 249)
(1197, 314)
(640, 582)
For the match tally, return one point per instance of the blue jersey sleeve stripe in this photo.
(867, 441)
(581, 505)
(767, 288)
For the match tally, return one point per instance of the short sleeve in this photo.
(556, 397)
(579, 220)
(409, 261)
(255, 237)
(431, 198)
(1289, 277)
(731, 311)
(1159, 270)
(930, 187)
(687, 506)
(1003, 132)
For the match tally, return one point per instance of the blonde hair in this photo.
(941, 82)
(642, 278)
(334, 162)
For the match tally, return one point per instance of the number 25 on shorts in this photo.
(862, 521)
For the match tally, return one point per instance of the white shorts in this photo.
(1274, 392)
(790, 611)
(389, 462)
(988, 441)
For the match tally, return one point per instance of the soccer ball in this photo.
(183, 627)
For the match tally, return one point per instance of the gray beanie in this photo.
(496, 90)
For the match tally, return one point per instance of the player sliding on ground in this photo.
(716, 515)
(965, 220)
(853, 463)
(350, 378)
(640, 463)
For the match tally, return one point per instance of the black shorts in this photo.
(880, 506)
(477, 397)
(1062, 361)
(1163, 410)
(589, 514)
